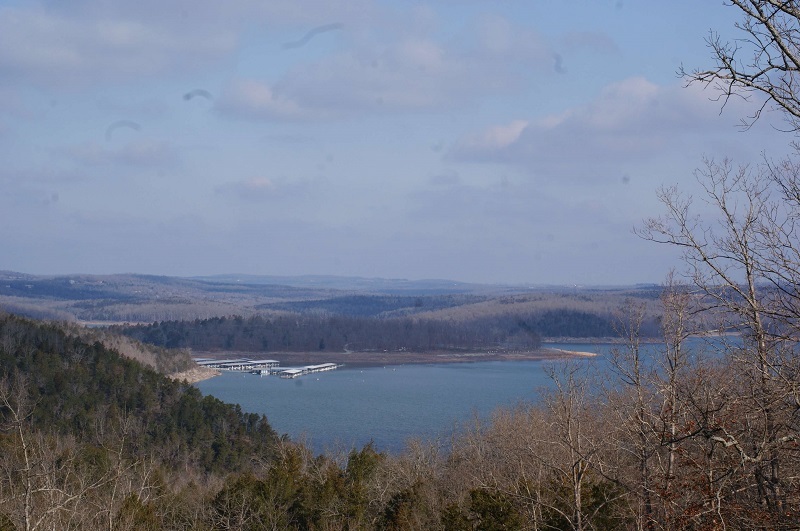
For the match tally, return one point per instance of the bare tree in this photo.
(764, 62)
(42, 483)
(748, 265)
(734, 261)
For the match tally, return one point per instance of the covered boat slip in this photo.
(238, 364)
(294, 372)
(264, 367)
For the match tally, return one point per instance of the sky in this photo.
(492, 141)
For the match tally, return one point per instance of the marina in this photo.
(264, 367)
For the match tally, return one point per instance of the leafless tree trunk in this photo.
(569, 410)
(14, 401)
(42, 481)
(676, 300)
(632, 406)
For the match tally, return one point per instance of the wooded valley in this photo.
(92, 440)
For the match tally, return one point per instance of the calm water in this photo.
(351, 406)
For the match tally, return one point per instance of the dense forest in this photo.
(303, 333)
(372, 305)
(87, 391)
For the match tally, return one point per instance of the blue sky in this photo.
(510, 141)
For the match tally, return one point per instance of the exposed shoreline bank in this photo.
(195, 374)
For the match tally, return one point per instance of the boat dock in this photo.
(264, 367)
(294, 372)
(238, 364)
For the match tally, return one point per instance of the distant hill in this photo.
(138, 298)
(361, 284)
(146, 299)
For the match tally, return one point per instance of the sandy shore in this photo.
(570, 353)
(196, 374)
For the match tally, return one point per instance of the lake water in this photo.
(388, 405)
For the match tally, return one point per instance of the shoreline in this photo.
(380, 359)
(194, 375)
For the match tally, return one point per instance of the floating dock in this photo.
(264, 367)
(294, 372)
(239, 364)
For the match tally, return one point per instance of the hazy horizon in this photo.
(246, 276)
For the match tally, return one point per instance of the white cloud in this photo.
(495, 137)
(628, 121)
(254, 100)
(498, 38)
(390, 66)
(624, 105)
(82, 42)
(410, 74)
(54, 47)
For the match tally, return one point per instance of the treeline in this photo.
(374, 305)
(304, 333)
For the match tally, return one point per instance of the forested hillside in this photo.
(371, 305)
(84, 391)
(513, 329)
(335, 334)
(575, 311)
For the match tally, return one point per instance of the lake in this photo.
(388, 405)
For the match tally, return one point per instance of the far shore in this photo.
(379, 359)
